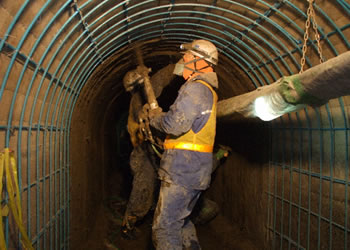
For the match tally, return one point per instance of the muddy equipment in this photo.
(144, 71)
(131, 80)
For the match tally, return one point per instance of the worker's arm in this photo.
(193, 101)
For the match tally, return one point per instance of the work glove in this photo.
(223, 151)
(148, 113)
(154, 112)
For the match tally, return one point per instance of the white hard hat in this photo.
(203, 49)
(131, 79)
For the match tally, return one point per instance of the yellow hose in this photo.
(2, 237)
(8, 161)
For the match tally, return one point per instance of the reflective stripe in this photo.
(188, 146)
(206, 112)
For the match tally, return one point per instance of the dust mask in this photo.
(179, 67)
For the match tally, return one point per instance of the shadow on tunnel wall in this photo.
(238, 185)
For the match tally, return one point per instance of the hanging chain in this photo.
(311, 15)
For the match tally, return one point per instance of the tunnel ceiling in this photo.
(49, 49)
(53, 52)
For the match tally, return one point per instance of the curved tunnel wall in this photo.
(62, 65)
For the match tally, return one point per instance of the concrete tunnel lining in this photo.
(61, 91)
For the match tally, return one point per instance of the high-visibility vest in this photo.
(203, 140)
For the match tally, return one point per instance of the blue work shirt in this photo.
(191, 110)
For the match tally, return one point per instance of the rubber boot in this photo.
(208, 210)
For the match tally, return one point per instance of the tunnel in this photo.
(63, 114)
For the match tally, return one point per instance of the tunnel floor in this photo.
(219, 233)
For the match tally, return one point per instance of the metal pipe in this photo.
(315, 86)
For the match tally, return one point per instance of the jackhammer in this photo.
(144, 126)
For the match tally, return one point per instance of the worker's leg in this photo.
(189, 236)
(173, 208)
(142, 193)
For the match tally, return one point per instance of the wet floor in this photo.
(217, 234)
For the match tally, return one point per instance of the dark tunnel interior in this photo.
(106, 133)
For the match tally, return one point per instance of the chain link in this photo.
(310, 15)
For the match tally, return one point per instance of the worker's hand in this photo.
(154, 112)
(223, 152)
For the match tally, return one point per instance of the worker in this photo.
(186, 163)
(143, 160)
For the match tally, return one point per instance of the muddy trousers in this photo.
(172, 229)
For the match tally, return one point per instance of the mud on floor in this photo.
(217, 234)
